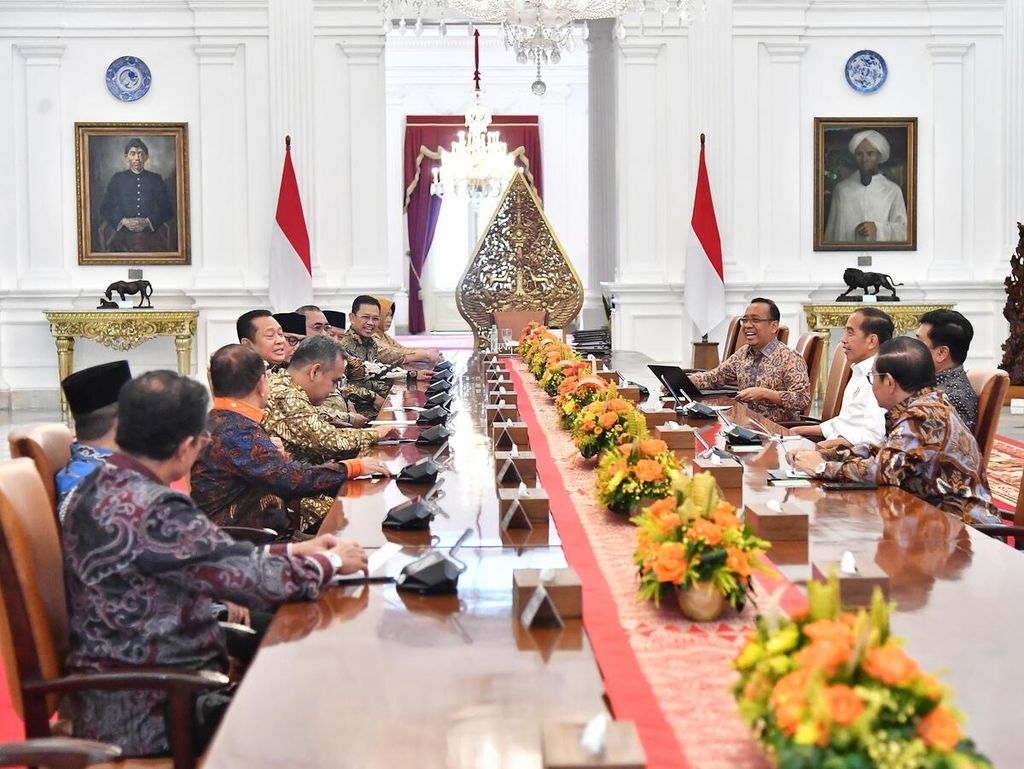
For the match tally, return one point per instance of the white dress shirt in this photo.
(861, 419)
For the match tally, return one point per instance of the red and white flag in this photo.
(705, 280)
(291, 274)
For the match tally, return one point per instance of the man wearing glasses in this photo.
(928, 451)
(771, 377)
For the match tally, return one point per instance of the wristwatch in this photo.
(334, 558)
(820, 468)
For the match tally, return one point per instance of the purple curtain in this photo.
(424, 210)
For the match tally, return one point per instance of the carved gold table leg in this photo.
(65, 365)
(183, 346)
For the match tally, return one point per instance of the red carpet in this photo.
(1004, 471)
(666, 674)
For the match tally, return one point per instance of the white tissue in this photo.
(547, 575)
(595, 735)
(848, 564)
(514, 452)
(715, 459)
(774, 505)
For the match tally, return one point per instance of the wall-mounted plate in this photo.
(866, 71)
(128, 78)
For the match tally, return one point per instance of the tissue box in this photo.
(612, 377)
(534, 502)
(561, 747)
(629, 393)
(854, 589)
(516, 432)
(1017, 405)
(728, 474)
(501, 413)
(565, 591)
(510, 398)
(658, 417)
(680, 440)
(525, 463)
(777, 527)
(497, 382)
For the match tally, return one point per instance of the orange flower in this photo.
(829, 630)
(648, 470)
(619, 405)
(726, 518)
(824, 655)
(670, 564)
(844, 704)
(890, 665)
(588, 426)
(706, 530)
(608, 419)
(788, 714)
(618, 467)
(665, 515)
(652, 446)
(789, 700)
(738, 562)
(939, 729)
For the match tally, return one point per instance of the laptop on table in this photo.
(678, 380)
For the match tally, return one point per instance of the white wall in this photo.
(759, 72)
(432, 75)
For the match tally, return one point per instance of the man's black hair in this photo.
(315, 349)
(157, 411)
(362, 299)
(908, 361)
(245, 327)
(877, 322)
(950, 329)
(773, 309)
(235, 370)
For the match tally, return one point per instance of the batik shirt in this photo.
(306, 432)
(84, 462)
(957, 387)
(242, 479)
(368, 351)
(142, 567)
(929, 452)
(775, 367)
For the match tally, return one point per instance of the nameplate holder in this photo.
(499, 398)
(515, 518)
(630, 393)
(562, 585)
(658, 417)
(524, 462)
(540, 611)
(502, 439)
(509, 472)
(611, 377)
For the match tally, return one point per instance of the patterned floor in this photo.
(1005, 466)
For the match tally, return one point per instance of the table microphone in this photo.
(434, 573)
(416, 513)
(709, 451)
(691, 408)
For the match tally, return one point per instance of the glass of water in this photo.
(506, 337)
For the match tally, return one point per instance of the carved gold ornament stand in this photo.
(119, 330)
(825, 317)
(519, 264)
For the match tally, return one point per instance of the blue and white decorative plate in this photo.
(128, 78)
(866, 71)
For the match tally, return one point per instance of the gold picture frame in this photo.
(846, 217)
(132, 193)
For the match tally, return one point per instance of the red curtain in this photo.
(425, 135)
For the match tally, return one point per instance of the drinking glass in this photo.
(506, 337)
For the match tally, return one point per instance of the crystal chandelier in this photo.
(479, 164)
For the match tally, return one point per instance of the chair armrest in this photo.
(1002, 531)
(262, 536)
(57, 753)
(169, 680)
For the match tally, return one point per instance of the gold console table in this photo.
(831, 315)
(119, 330)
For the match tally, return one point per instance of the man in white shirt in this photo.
(861, 419)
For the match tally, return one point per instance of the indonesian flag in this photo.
(705, 281)
(291, 276)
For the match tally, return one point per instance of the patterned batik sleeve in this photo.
(722, 376)
(180, 544)
(894, 460)
(301, 425)
(257, 459)
(794, 386)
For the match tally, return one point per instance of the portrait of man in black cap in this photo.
(132, 193)
(92, 397)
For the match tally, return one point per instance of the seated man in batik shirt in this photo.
(947, 334)
(92, 397)
(143, 566)
(928, 450)
(242, 478)
(771, 377)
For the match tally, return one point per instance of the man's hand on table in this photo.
(807, 431)
(386, 432)
(755, 394)
(374, 466)
(805, 460)
(353, 557)
(833, 445)
(357, 420)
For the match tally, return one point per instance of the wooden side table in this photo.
(119, 330)
(825, 317)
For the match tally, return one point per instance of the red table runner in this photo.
(671, 677)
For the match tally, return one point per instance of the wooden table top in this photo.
(370, 677)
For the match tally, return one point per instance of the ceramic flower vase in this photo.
(702, 603)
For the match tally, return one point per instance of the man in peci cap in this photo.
(293, 324)
(92, 397)
(336, 324)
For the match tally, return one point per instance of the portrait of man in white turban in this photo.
(866, 206)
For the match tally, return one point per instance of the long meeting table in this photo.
(369, 676)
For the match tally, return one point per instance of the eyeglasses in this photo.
(872, 375)
(753, 319)
(368, 317)
(292, 340)
(319, 328)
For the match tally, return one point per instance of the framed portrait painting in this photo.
(865, 184)
(132, 193)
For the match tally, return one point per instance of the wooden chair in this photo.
(48, 444)
(783, 334)
(839, 373)
(811, 346)
(991, 385)
(57, 753)
(34, 623)
(517, 320)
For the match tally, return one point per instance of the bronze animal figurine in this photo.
(106, 305)
(855, 278)
(140, 287)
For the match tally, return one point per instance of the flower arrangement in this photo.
(556, 374)
(547, 356)
(628, 474)
(835, 689)
(605, 424)
(531, 337)
(692, 537)
(575, 392)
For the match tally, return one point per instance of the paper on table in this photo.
(376, 566)
(398, 422)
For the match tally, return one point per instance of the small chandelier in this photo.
(479, 164)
